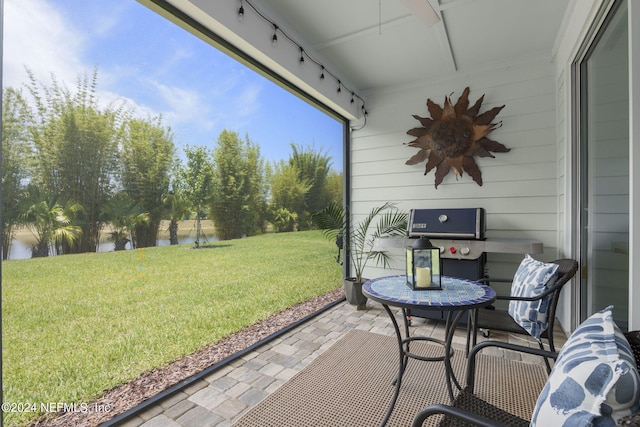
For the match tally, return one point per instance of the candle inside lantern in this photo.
(423, 277)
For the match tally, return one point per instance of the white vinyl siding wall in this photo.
(520, 187)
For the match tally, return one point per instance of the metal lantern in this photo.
(423, 265)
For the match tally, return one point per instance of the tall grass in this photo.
(76, 325)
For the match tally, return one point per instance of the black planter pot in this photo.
(353, 291)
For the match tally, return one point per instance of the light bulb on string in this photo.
(241, 12)
(301, 59)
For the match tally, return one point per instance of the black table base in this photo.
(404, 353)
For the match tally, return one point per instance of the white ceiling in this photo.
(373, 44)
(379, 43)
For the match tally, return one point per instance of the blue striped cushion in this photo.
(531, 280)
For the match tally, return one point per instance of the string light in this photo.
(241, 12)
(303, 53)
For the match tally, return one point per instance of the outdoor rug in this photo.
(350, 384)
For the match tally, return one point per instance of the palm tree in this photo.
(49, 220)
(357, 240)
(178, 207)
(123, 214)
(360, 237)
(284, 220)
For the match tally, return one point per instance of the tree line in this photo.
(73, 165)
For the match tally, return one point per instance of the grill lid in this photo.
(464, 223)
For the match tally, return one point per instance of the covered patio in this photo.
(373, 66)
(563, 70)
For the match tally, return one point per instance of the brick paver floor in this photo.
(221, 397)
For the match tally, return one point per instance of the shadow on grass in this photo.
(212, 246)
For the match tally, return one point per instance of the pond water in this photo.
(22, 250)
(21, 246)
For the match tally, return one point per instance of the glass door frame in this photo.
(634, 159)
(578, 160)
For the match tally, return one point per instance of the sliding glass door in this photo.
(604, 169)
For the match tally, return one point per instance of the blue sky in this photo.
(161, 69)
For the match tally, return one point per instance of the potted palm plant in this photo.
(357, 241)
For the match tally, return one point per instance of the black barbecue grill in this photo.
(456, 232)
(460, 235)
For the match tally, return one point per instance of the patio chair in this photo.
(470, 410)
(501, 320)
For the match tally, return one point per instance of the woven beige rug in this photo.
(350, 384)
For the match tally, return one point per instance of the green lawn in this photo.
(74, 326)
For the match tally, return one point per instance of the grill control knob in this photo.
(443, 218)
(452, 250)
(441, 249)
(465, 251)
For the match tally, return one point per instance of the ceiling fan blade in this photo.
(423, 10)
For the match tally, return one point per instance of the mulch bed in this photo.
(126, 396)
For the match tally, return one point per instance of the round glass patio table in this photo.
(457, 296)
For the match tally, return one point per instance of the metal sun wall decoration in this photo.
(453, 136)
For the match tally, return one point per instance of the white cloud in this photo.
(106, 22)
(184, 105)
(248, 103)
(40, 36)
(36, 36)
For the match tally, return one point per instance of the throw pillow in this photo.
(594, 381)
(531, 280)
